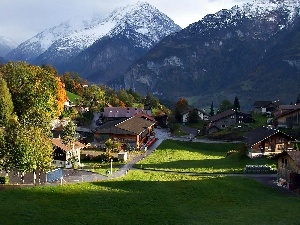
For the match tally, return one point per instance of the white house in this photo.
(201, 113)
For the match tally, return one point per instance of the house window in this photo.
(232, 117)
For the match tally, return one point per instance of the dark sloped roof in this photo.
(277, 115)
(132, 126)
(222, 115)
(144, 115)
(260, 134)
(295, 155)
(58, 142)
(258, 104)
(135, 124)
(120, 112)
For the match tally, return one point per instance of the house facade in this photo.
(134, 132)
(265, 141)
(288, 168)
(64, 154)
(229, 118)
(264, 106)
(289, 119)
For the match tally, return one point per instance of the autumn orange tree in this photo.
(180, 107)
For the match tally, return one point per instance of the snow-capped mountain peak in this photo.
(77, 34)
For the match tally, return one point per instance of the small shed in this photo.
(122, 156)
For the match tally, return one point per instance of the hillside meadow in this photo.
(155, 197)
(197, 157)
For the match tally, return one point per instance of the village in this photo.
(136, 130)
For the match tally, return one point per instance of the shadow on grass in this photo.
(150, 198)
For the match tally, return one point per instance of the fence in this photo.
(258, 169)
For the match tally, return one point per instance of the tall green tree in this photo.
(6, 104)
(225, 105)
(31, 87)
(26, 149)
(193, 116)
(236, 104)
(95, 97)
(212, 112)
(298, 99)
(69, 133)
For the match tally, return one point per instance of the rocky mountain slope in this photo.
(90, 47)
(250, 51)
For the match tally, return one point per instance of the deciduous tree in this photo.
(6, 104)
(180, 107)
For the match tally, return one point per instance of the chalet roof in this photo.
(145, 116)
(286, 112)
(260, 104)
(221, 115)
(121, 112)
(58, 142)
(259, 134)
(295, 155)
(133, 126)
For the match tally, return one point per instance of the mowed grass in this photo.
(157, 197)
(199, 157)
(146, 197)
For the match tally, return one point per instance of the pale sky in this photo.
(23, 19)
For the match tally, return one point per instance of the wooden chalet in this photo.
(133, 132)
(64, 153)
(228, 118)
(265, 141)
(289, 118)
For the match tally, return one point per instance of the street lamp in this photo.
(111, 160)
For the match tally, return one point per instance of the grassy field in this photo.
(73, 97)
(199, 158)
(157, 197)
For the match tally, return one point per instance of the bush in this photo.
(4, 180)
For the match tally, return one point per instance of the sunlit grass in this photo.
(198, 158)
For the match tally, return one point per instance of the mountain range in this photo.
(250, 51)
(99, 49)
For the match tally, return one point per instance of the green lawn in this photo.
(158, 197)
(151, 198)
(199, 158)
(73, 97)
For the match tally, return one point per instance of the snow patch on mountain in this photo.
(77, 34)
